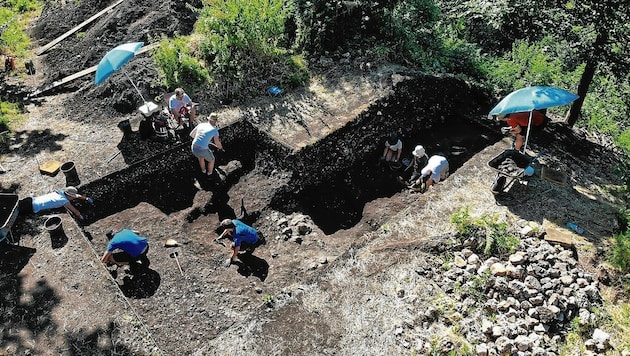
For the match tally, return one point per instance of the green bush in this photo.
(607, 107)
(297, 74)
(463, 222)
(237, 42)
(529, 64)
(177, 65)
(412, 23)
(497, 240)
(14, 19)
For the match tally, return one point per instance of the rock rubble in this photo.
(523, 304)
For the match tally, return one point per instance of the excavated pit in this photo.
(331, 180)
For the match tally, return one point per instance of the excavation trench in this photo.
(331, 180)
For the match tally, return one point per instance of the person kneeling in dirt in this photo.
(420, 159)
(126, 247)
(393, 149)
(202, 134)
(244, 238)
(435, 171)
(57, 199)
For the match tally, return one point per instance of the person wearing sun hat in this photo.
(57, 199)
(420, 159)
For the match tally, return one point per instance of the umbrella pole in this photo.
(135, 87)
(529, 126)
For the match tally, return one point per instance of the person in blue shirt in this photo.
(57, 199)
(126, 247)
(243, 236)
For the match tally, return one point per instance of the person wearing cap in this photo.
(420, 159)
(518, 123)
(178, 101)
(435, 171)
(243, 236)
(57, 199)
(126, 247)
(393, 149)
(202, 136)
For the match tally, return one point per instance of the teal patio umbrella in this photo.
(114, 60)
(530, 99)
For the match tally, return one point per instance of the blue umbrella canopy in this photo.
(533, 98)
(115, 59)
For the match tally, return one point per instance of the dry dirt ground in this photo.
(298, 295)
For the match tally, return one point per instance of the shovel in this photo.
(174, 255)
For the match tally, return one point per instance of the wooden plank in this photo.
(76, 28)
(81, 74)
(62, 81)
(555, 236)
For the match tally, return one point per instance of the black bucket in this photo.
(125, 127)
(70, 171)
(54, 226)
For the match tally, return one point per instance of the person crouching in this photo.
(126, 247)
(244, 238)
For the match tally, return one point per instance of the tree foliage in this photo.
(237, 44)
(580, 46)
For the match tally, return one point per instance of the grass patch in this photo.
(574, 341)
(15, 16)
(620, 256)
(476, 286)
(9, 113)
(619, 324)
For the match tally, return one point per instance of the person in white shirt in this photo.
(202, 136)
(178, 101)
(435, 171)
(393, 149)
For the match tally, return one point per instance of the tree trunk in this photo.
(587, 78)
(585, 82)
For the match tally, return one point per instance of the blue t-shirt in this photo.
(243, 233)
(128, 241)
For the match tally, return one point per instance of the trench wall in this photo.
(421, 110)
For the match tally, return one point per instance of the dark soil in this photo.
(305, 161)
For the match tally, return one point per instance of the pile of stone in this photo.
(294, 227)
(527, 301)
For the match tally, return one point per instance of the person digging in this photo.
(244, 238)
(203, 135)
(127, 247)
(435, 171)
(61, 198)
